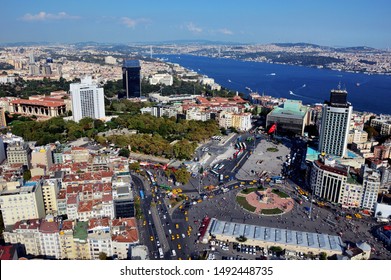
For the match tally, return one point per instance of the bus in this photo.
(216, 166)
(161, 255)
(150, 175)
(215, 172)
(221, 166)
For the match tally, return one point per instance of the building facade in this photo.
(334, 129)
(21, 202)
(87, 100)
(19, 153)
(131, 77)
(291, 117)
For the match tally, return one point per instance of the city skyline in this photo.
(358, 23)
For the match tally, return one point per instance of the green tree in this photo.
(124, 152)
(241, 238)
(26, 175)
(102, 256)
(182, 175)
(323, 256)
(134, 166)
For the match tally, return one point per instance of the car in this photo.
(188, 233)
(164, 217)
(179, 246)
(144, 223)
(158, 243)
(177, 236)
(176, 226)
(170, 231)
(186, 219)
(151, 238)
(172, 237)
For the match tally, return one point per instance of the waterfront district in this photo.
(167, 164)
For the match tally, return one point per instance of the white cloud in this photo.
(225, 31)
(193, 28)
(43, 16)
(131, 23)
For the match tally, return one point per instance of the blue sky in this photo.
(331, 22)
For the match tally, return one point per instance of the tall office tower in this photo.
(31, 58)
(87, 100)
(3, 122)
(334, 129)
(131, 78)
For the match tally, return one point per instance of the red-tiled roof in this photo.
(129, 222)
(107, 197)
(95, 222)
(48, 227)
(126, 236)
(38, 102)
(62, 194)
(67, 225)
(27, 224)
(72, 199)
(85, 206)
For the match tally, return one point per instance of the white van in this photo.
(173, 253)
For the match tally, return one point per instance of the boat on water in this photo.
(272, 74)
(229, 81)
(249, 89)
(291, 92)
(357, 84)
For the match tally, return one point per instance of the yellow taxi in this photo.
(176, 226)
(186, 219)
(179, 246)
(144, 223)
(188, 233)
(172, 237)
(151, 238)
(185, 212)
(177, 236)
(348, 217)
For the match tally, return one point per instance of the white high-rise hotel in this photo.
(87, 100)
(334, 131)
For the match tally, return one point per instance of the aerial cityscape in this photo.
(206, 146)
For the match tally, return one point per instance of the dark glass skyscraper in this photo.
(131, 76)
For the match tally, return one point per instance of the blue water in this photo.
(311, 85)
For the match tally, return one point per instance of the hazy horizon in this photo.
(332, 23)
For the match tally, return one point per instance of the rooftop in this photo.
(131, 63)
(290, 109)
(277, 236)
(80, 230)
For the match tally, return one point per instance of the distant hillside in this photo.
(298, 45)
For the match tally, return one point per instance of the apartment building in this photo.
(21, 202)
(19, 153)
(50, 190)
(344, 185)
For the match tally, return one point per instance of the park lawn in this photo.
(280, 193)
(271, 211)
(243, 202)
(249, 190)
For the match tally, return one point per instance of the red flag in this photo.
(272, 128)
